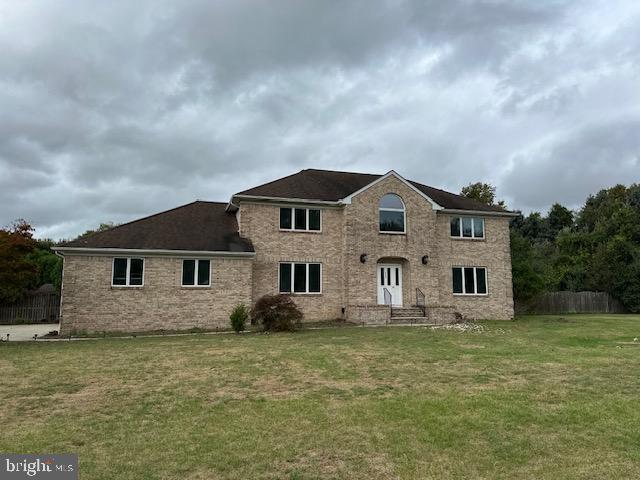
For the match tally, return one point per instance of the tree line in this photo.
(596, 248)
(27, 263)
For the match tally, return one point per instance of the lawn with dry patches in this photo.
(541, 397)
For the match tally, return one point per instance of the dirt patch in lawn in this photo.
(327, 464)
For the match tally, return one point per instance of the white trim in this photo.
(149, 252)
(473, 228)
(395, 287)
(404, 215)
(306, 292)
(231, 207)
(480, 213)
(475, 281)
(434, 205)
(127, 273)
(293, 219)
(288, 200)
(195, 273)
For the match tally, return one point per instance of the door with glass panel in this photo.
(390, 278)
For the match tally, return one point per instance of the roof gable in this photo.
(390, 174)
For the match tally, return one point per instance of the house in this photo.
(361, 247)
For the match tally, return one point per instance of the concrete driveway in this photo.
(22, 333)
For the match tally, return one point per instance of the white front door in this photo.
(390, 278)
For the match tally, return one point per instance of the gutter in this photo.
(342, 203)
(231, 207)
(146, 251)
(479, 213)
(286, 200)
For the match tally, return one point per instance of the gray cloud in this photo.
(599, 155)
(113, 110)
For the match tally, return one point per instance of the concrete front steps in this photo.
(408, 315)
(435, 315)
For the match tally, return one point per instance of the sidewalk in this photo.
(21, 333)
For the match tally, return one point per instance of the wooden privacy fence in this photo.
(38, 306)
(571, 302)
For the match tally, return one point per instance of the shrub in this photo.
(276, 313)
(239, 317)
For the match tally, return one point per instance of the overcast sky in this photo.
(112, 110)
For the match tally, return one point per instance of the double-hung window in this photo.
(196, 273)
(469, 280)
(467, 227)
(300, 219)
(127, 272)
(300, 277)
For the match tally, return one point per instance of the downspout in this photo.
(61, 291)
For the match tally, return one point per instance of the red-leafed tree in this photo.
(18, 272)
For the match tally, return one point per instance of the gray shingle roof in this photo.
(207, 226)
(332, 186)
(197, 226)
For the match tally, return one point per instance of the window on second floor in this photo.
(300, 219)
(196, 273)
(127, 272)
(392, 214)
(467, 227)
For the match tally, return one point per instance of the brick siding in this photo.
(91, 304)
(348, 286)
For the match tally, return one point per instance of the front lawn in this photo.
(541, 397)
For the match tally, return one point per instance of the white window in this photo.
(127, 272)
(300, 219)
(469, 280)
(300, 277)
(467, 227)
(391, 214)
(196, 273)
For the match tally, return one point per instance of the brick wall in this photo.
(493, 253)
(369, 314)
(90, 304)
(363, 236)
(353, 230)
(261, 223)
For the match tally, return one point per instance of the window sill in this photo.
(291, 294)
(315, 232)
(195, 287)
(391, 233)
(470, 294)
(468, 239)
(127, 287)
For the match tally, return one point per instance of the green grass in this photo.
(541, 397)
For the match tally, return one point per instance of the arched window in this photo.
(392, 214)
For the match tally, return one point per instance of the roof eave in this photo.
(486, 213)
(264, 198)
(231, 207)
(149, 251)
